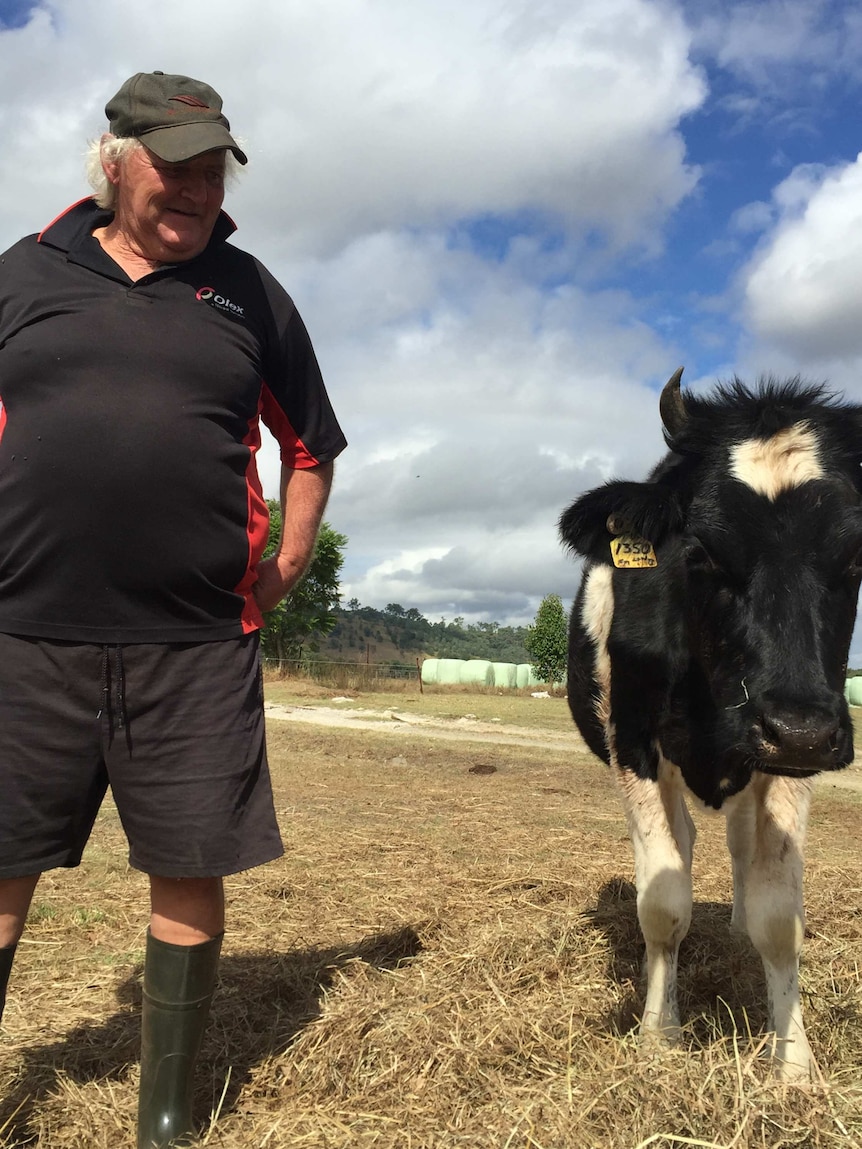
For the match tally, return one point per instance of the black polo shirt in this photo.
(130, 507)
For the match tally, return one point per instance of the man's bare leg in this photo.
(15, 897)
(186, 911)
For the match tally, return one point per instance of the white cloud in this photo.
(752, 217)
(802, 288)
(768, 42)
(475, 422)
(499, 577)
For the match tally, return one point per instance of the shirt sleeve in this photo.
(294, 403)
(11, 271)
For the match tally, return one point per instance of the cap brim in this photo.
(185, 141)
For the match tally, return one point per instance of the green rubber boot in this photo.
(178, 988)
(7, 956)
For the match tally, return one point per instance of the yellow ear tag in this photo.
(632, 552)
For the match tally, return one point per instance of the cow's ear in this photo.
(648, 510)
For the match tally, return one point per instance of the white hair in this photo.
(115, 149)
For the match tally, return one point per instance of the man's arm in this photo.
(304, 494)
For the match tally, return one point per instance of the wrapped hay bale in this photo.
(505, 674)
(477, 672)
(525, 676)
(854, 691)
(429, 671)
(449, 671)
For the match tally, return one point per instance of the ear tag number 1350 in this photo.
(629, 551)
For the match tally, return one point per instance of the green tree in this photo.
(546, 640)
(307, 614)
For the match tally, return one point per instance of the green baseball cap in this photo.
(174, 116)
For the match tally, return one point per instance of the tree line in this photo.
(411, 633)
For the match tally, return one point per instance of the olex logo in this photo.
(210, 295)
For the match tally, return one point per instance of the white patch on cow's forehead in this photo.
(770, 466)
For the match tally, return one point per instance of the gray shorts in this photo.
(176, 730)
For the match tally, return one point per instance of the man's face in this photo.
(168, 211)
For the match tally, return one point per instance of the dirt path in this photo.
(401, 722)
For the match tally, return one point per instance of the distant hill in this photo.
(364, 634)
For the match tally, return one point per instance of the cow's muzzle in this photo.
(789, 742)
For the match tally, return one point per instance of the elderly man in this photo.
(138, 350)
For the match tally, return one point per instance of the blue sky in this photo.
(14, 13)
(767, 113)
(505, 222)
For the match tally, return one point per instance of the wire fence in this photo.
(342, 675)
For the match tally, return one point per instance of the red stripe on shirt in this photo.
(294, 453)
(257, 529)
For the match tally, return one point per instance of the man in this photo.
(137, 351)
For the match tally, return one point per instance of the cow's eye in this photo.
(699, 558)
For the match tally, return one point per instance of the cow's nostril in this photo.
(800, 735)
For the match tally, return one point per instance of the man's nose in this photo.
(195, 187)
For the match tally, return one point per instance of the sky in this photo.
(505, 224)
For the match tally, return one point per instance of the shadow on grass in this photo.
(263, 1002)
(721, 984)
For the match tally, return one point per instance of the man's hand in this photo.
(276, 578)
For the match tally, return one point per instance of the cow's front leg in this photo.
(662, 835)
(741, 823)
(774, 913)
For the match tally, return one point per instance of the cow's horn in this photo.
(671, 405)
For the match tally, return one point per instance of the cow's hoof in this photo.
(791, 1066)
(658, 1038)
(788, 1073)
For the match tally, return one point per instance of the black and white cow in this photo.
(713, 660)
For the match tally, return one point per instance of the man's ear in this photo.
(111, 168)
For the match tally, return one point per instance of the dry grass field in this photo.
(446, 956)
